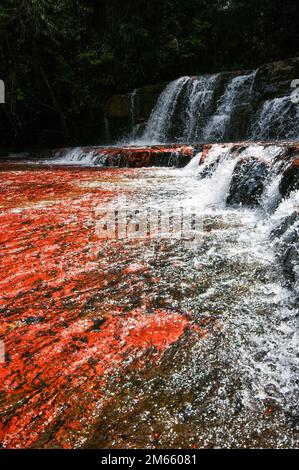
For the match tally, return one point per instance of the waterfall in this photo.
(192, 166)
(219, 108)
(161, 117)
(199, 105)
(276, 119)
(84, 157)
(215, 171)
(238, 93)
(180, 109)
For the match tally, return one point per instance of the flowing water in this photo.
(139, 308)
(204, 349)
(277, 118)
(218, 108)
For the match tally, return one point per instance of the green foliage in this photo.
(61, 60)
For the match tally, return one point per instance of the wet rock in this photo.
(138, 159)
(174, 155)
(33, 320)
(145, 98)
(205, 153)
(97, 323)
(283, 226)
(290, 256)
(290, 179)
(287, 246)
(274, 79)
(209, 169)
(247, 182)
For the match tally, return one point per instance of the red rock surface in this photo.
(137, 157)
(63, 352)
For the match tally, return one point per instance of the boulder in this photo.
(247, 183)
(274, 79)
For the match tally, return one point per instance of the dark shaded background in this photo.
(61, 60)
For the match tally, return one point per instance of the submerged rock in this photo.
(247, 183)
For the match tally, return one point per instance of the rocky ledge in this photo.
(130, 157)
(259, 165)
(272, 81)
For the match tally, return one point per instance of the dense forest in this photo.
(61, 60)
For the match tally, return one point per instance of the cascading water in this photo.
(80, 156)
(237, 94)
(161, 118)
(199, 105)
(238, 386)
(216, 108)
(181, 108)
(277, 119)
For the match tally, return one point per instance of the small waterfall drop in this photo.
(199, 105)
(238, 93)
(276, 119)
(193, 165)
(82, 156)
(161, 117)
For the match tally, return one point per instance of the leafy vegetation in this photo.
(61, 60)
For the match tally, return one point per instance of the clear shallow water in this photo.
(230, 379)
(236, 386)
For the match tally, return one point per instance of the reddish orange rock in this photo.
(205, 153)
(296, 161)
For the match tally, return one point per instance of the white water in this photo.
(254, 360)
(161, 117)
(237, 93)
(80, 156)
(188, 99)
(277, 118)
(74, 156)
(191, 110)
(260, 336)
(199, 104)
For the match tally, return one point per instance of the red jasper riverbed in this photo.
(119, 343)
(64, 348)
